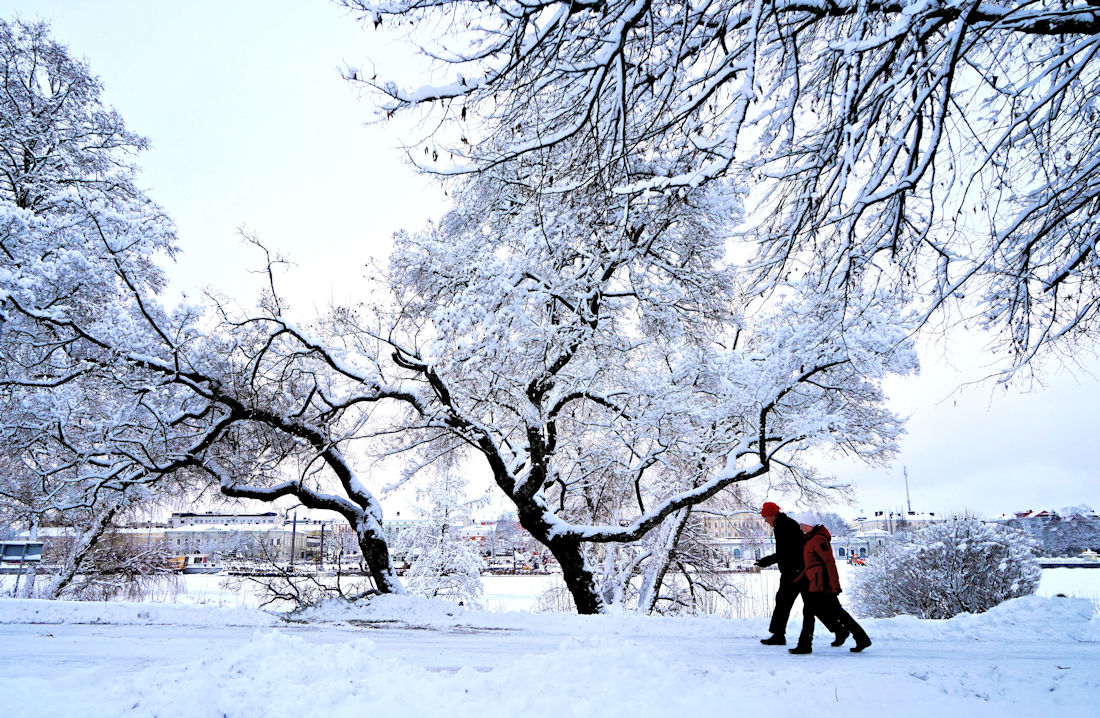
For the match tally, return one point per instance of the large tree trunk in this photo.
(578, 575)
(579, 578)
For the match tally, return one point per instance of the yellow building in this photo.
(742, 524)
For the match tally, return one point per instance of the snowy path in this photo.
(38, 650)
(454, 663)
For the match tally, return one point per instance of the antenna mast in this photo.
(908, 503)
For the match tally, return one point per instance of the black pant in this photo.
(784, 601)
(826, 606)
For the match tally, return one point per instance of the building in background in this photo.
(744, 536)
(179, 520)
(893, 522)
(740, 524)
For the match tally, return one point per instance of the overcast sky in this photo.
(252, 126)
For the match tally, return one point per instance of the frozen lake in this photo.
(752, 597)
(755, 591)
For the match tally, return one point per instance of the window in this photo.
(737, 553)
(840, 552)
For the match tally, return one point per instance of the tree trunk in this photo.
(569, 553)
(578, 576)
(83, 543)
(612, 583)
(662, 556)
(376, 554)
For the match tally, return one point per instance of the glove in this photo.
(757, 563)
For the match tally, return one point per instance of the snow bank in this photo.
(1033, 618)
(1030, 618)
(122, 613)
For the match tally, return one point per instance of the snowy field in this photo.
(412, 657)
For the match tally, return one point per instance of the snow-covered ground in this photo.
(1075, 582)
(413, 657)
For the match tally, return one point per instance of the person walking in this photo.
(788, 554)
(822, 591)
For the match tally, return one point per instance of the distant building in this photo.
(481, 534)
(860, 544)
(740, 524)
(893, 522)
(1040, 515)
(393, 528)
(267, 536)
(740, 537)
(1047, 515)
(178, 520)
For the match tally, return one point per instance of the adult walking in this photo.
(821, 597)
(789, 540)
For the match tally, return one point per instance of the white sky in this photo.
(252, 126)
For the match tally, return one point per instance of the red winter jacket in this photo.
(820, 568)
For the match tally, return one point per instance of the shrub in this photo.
(959, 566)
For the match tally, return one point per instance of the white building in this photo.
(179, 520)
(893, 522)
(480, 534)
(267, 536)
(741, 551)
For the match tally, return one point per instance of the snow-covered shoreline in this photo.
(521, 592)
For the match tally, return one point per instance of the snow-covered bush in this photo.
(959, 566)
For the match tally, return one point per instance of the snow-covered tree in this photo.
(508, 536)
(958, 566)
(117, 568)
(594, 352)
(946, 149)
(76, 237)
(103, 394)
(673, 570)
(1067, 532)
(443, 563)
(837, 524)
(590, 347)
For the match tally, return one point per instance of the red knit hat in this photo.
(769, 509)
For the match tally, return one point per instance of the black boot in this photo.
(777, 639)
(801, 649)
(861, 643)
(841, 637)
